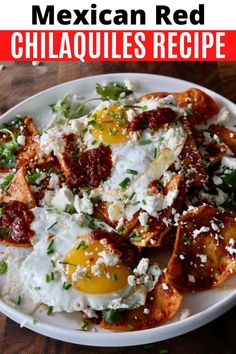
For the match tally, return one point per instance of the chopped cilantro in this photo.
(87, 276)
(7, 181)
(69, 109)
(85, 323)
(184, 238)
(3, 267)
(8, 150)
(189, 112)
(112, 91)
(33, 176)
(112, 315)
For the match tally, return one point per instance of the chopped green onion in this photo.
(18, 300)
(50, 248)
(50, 227)
(132, 195)
(66, 285)
(132, 172)
(34, 321)
(124, 183)
(114, 277)
(155, 153)
(83, 245)
(53, 263)
(94, 142)
(145, 142)
(87, 276)
(189, 112)
(37, 288)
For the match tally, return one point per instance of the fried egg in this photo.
(70, 271)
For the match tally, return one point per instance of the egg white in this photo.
(35, 267)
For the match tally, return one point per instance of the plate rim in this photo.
(130, 338)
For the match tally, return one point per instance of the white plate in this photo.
(204, 306)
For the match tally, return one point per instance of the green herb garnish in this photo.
(112, 315)
(83, 244)
(50, 227)
(7, 181)
(8, 150)
(114, 277)
(3, 267)
(70, 209)
(145, 142)
(50, 310)
(5, 231)
(189, 112)
(50, 248)
(33, 176)
(66, 285)
(131, 172)
(85, 324)
(112, 91)
(124, 183)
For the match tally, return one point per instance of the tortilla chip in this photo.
(226, 135)
(205, 249)
(194, 169)
(161, 305)
(203, 106)
(20, 190)
(31, 148)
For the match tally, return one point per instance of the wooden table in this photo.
(21, 80)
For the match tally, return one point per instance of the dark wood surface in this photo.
(21, 80)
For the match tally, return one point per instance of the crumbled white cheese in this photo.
(130, 114)
(62, 198)
(217, 180)
(95, 270)
(143, 218)
(169, 198)
(222, 117)
(142, 266)
(21, 139)
(108, 258)
(116, 210)
(201, 230)
(202, 257)
(221, 197)
(146, 311)
(77, 125)
(184, 314)
(47, 199)
(53, 181)
(229, 162)
(231, 248)
(191, 278)
(165, 286)
(145, 275)
(79, 272)
(131, 85)
(83, 205)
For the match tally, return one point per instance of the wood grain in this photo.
(21, 80)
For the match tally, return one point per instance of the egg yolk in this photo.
(85, 255)
(109, 124)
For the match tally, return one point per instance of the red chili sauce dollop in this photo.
(153, 119)
(16, 219)
(91, 167)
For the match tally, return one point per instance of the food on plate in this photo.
(118, 207)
